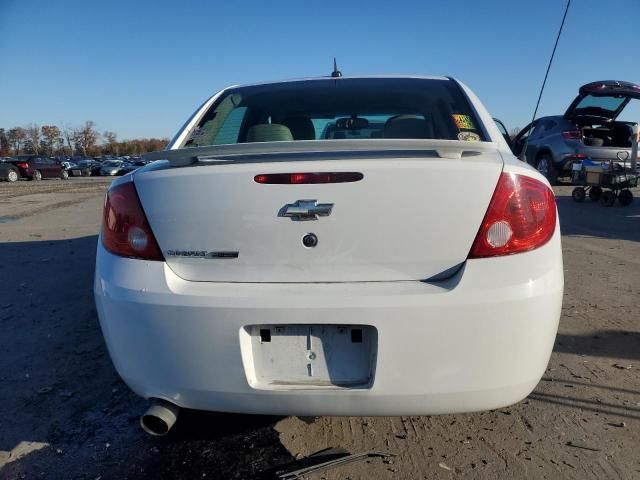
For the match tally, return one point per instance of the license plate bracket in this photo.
(329, 356)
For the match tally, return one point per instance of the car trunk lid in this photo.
(413, 215)
(603, 99)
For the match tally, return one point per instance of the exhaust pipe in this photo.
(159, 418)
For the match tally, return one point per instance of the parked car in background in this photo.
(35, 167)
(67, 165)
(272, 266)
(132, 166)
(588, 129)
(9, 172)
(112, 167)
(85, 168)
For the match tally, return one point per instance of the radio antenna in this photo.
(523, 154)
(336, 73)
(544, 82)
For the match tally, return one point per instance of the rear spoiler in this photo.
(320, 150)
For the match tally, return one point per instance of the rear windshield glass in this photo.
(599, 106)
(339, 109)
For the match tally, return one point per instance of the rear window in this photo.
(599, 106)
(339, 109)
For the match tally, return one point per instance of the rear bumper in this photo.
(478, 341)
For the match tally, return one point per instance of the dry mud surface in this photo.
(65, 413)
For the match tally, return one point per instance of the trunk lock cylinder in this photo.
(310, 240)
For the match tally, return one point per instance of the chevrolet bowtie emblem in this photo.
(305, 210)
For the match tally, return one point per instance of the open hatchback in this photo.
(603, 99)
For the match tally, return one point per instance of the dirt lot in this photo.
(66, 414)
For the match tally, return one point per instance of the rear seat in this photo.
(269, 132)
(407, 126)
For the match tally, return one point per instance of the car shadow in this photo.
(618, 344)
(594, 220)
(65, 410)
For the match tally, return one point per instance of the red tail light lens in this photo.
(308, 177)
(125, 229)
(521, 217)
(572, 135)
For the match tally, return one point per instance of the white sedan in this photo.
(331, 246)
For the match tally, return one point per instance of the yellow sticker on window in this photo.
(463, 122)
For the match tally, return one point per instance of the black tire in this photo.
(12, 175)
(578, 194)
(595, 193)
(64, 175)
(607, 198)
(625, 197)
(544, 165)
(37, 175)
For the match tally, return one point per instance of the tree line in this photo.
(65, 141)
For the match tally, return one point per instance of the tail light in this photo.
(125, 229)
(521, 217)
(572, 135)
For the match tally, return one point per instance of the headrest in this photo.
(301, 128)
(407, 126)
(269, 132)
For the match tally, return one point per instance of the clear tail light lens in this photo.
(125, 229)
(521, 217)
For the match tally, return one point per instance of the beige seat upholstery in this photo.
(269, 132)
(407, 126)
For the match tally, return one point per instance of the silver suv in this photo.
(588, 129)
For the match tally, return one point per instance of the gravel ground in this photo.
(67, 415)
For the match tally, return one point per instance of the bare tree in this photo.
(50, 138)
(16, 137)
(85, 138)
(32, 142)
(60, 146)
(67, 135)
(111, 141)
(4, 143)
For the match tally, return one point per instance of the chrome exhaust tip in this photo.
(159, 418)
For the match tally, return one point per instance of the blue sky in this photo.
(140, 68)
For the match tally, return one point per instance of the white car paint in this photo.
(181, 330)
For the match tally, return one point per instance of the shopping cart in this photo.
(604, 181)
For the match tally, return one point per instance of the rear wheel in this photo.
(594, 193)
(578, 194)
(37, 175)
(545, 166)
(607, 198)
(64, 174)
(625, 197)
(12, 176)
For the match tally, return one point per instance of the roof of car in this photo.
(356, 77)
